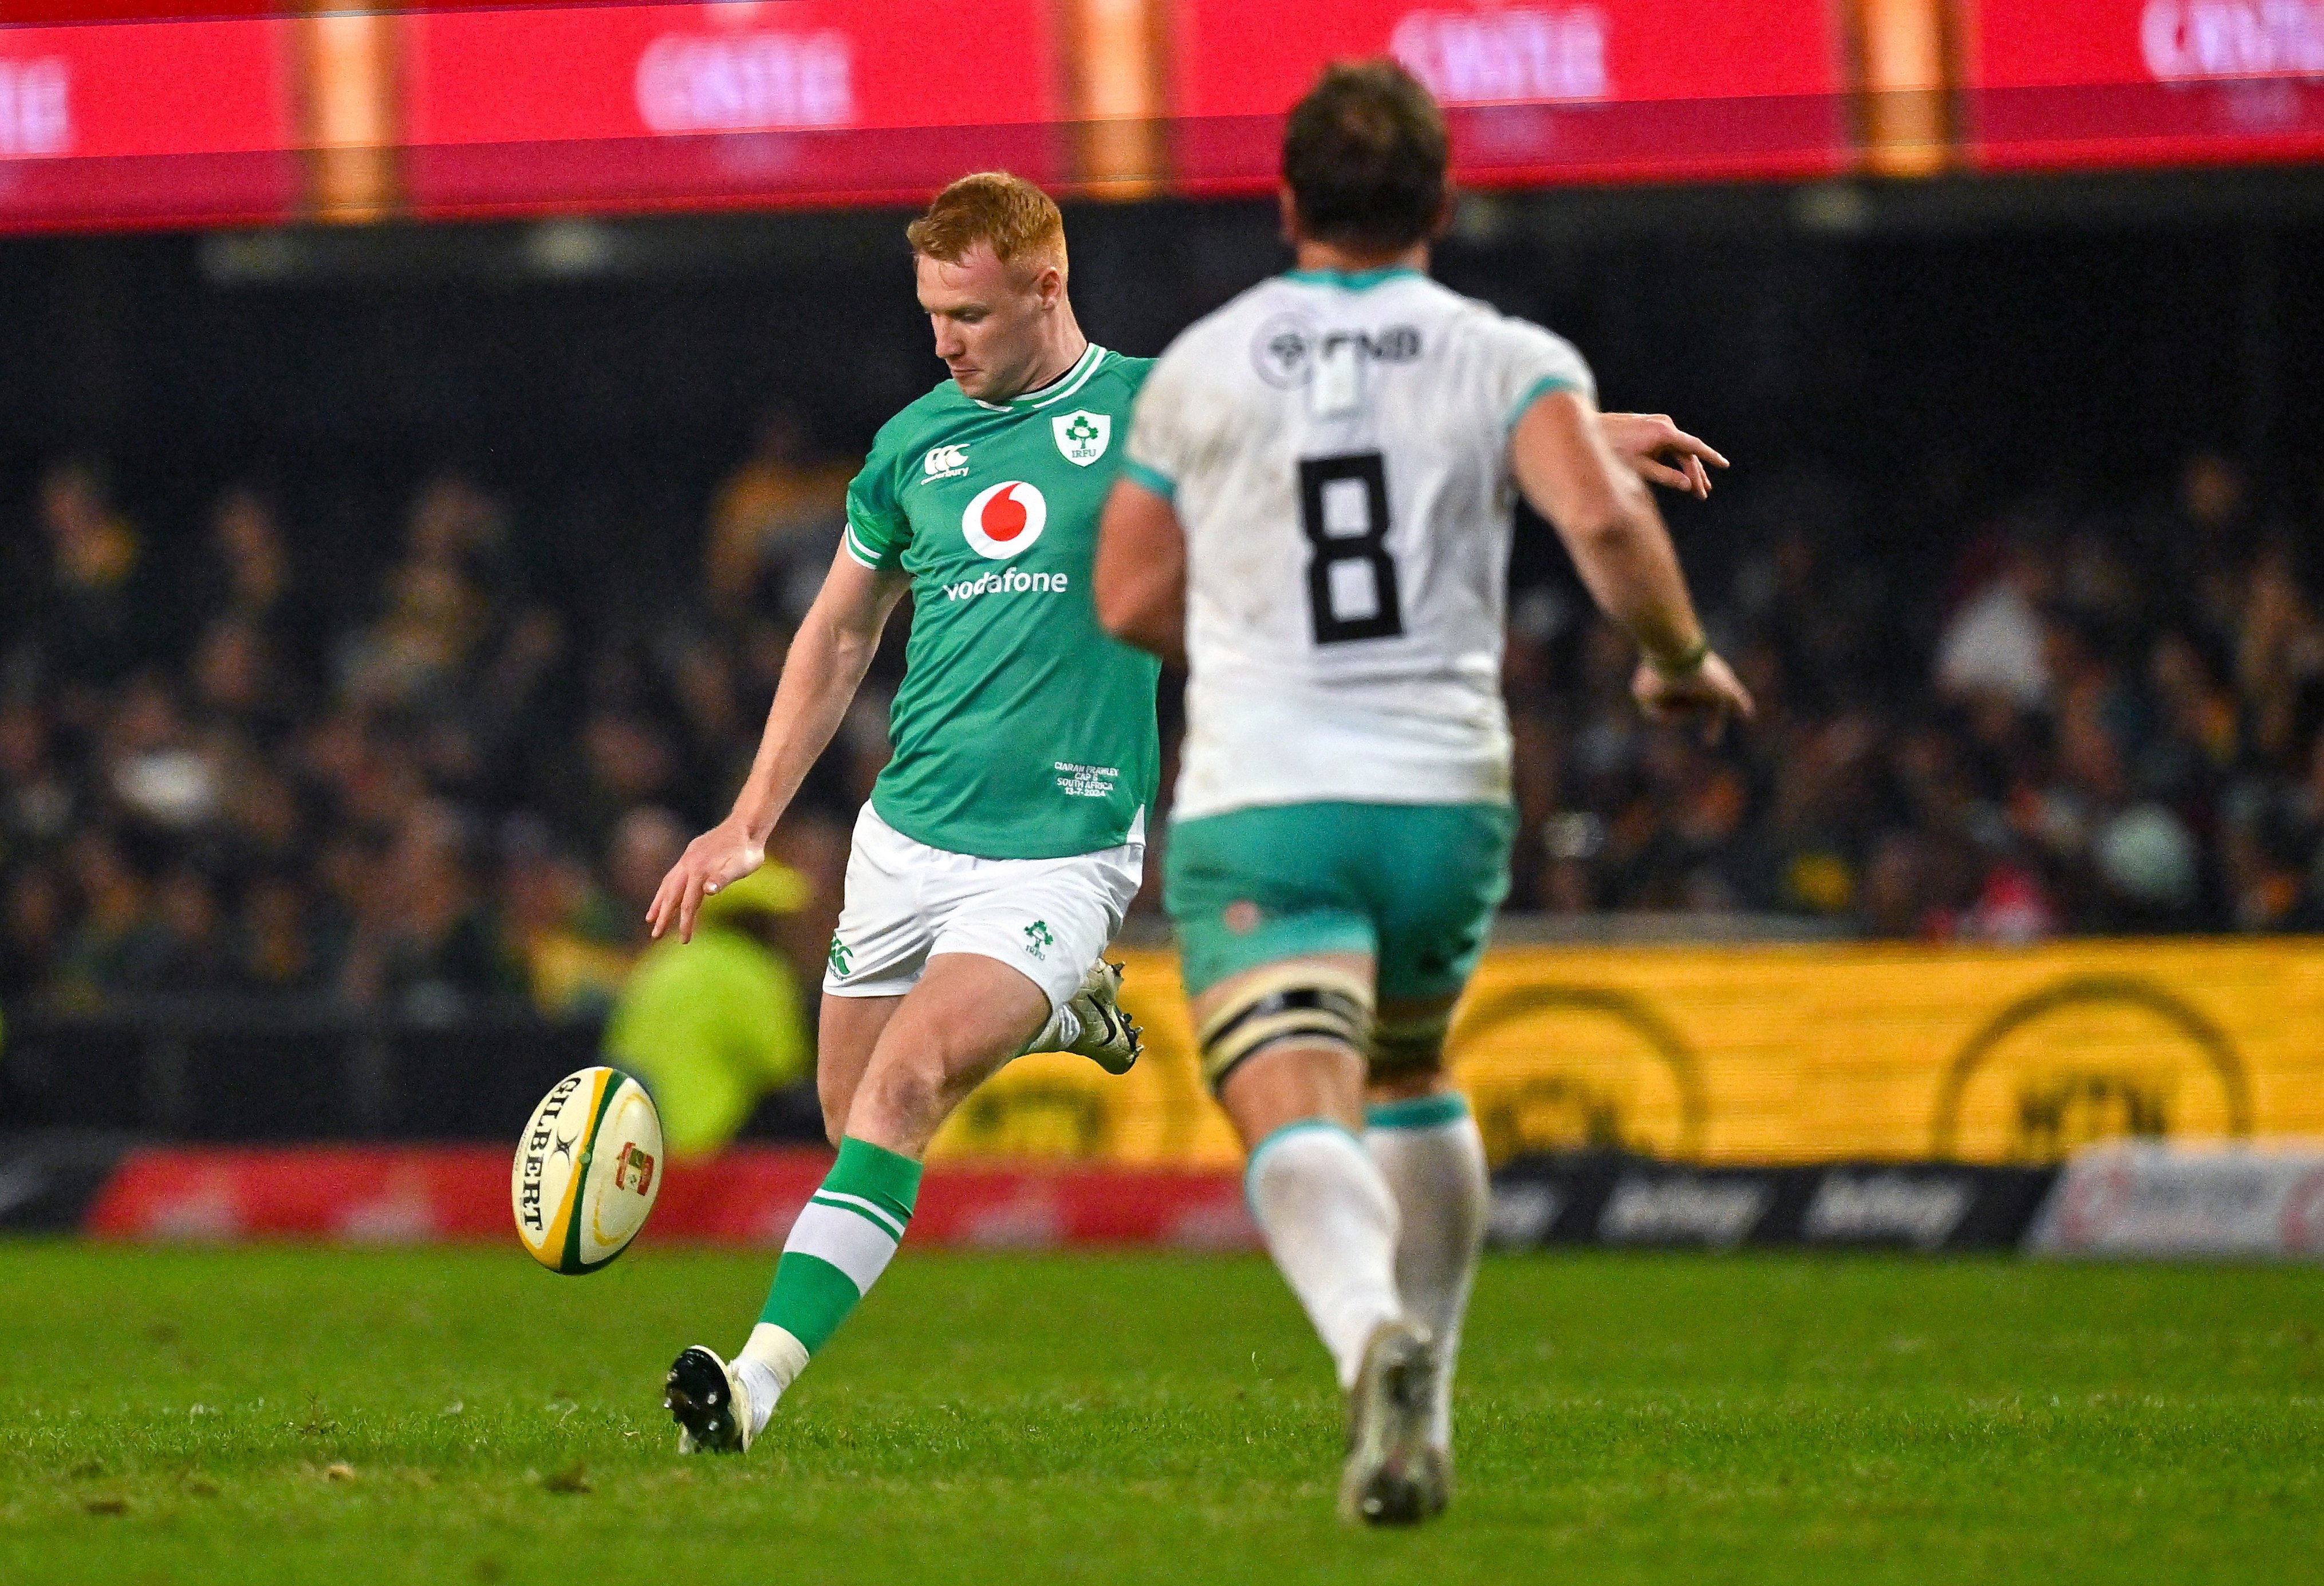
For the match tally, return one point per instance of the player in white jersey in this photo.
(1315, 517)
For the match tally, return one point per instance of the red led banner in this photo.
(2142, 82)
(1560, 90)
(785, 101)
(15, 12)
(747, 1195)
(154, 124)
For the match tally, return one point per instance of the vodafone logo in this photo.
(1005, 519)
(1514, 57)
(2184, 39)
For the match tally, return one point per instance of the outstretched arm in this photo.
(1659, 452)
(835, 644)
(1141, 556)
(1141, 572)
(1570, 476)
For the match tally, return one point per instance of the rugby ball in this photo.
(587, 1169)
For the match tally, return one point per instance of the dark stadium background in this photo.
(287, 851)
(1913, 386)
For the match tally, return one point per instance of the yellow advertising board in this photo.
(1775, 1054)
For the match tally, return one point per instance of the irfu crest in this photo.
(1081, 436)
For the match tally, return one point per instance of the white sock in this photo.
(1063, 1028)
(1434, 1159)
(770, 1363)
(1330, 1224)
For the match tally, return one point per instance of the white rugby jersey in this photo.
(1337, 449)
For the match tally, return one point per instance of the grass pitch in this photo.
(458, 1415)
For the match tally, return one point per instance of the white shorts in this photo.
(1048, 918)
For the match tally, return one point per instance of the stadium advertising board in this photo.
(750, 1196)
(2150, 1199)
(2142, 82)
(154, 124)
(1751, 1056)
(803, 101)
(1551, 90)
(1609, 1199)
(395, 1194)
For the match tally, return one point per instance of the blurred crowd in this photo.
(444, 792)
(2073, 718)
(449, 788)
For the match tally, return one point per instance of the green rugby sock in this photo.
(842, 1241)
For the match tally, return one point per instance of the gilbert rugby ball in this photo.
(587, 1169)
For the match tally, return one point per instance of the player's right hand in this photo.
(720, 856)
(1709, 694)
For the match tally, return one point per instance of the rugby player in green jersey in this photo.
(1006, 838)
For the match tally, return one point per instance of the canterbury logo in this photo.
(945, 461)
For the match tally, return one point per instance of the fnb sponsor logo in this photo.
(2193, 39)
(746, 82)
(35, 109)
(1514, 57)
(1398, 344)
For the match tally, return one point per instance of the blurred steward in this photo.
(712, 1026)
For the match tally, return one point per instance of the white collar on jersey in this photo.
(1056, 390)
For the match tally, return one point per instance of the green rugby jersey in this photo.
(1023, 730)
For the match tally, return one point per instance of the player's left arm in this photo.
(1141, 571)
(1659, 452)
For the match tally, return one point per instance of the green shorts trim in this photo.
(1414, 885)
(1432, 1112)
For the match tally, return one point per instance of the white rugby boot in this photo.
(1108, 1038)
(1394, 1476)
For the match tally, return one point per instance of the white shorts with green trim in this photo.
(1046, 918)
